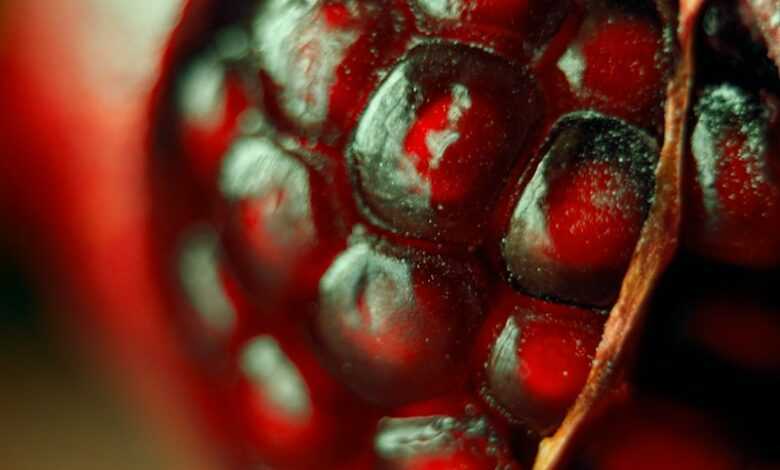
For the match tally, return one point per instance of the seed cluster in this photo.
(421, 211)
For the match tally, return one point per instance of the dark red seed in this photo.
(433, 146)
(733, 179)
(577, 221)
(397, 324)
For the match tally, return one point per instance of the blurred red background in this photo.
(76, 79)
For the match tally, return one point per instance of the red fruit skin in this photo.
(732, 180)
(77, 86)
(533, 357)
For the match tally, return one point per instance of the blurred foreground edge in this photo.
(76, 81)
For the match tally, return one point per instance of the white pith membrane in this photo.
(276, 378)
(199, 277)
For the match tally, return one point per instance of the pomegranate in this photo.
(418, 234)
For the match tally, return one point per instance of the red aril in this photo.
(203, 284)
(577, 221)
(618, 64)
(449, 138)
(436, 139)
(586, 227)
(396, 324)
(441, 442)
(508, 26)
(210, 98)
(733, 179)
(535, 357)
(319, 60)
(293, 412)
(282, 228)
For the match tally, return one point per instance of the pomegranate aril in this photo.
(320, 59)
(210, 98)
(201, 281)
(513, 26)
(441, 442)
(577, 221)
(534, 358)
(733, 179)
(434, 144)
(618, 65)
(291, 409)
(396, 324)
(282, 230)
